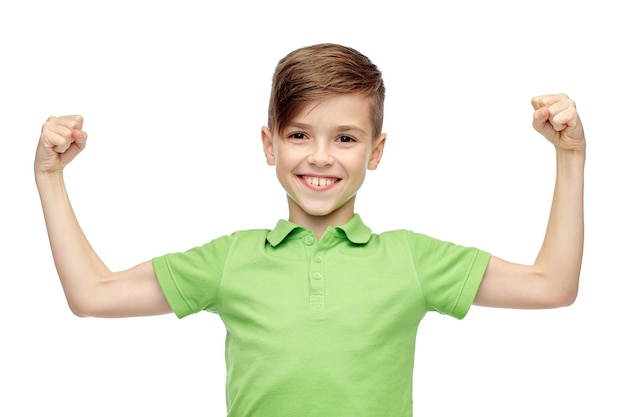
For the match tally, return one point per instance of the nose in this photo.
(320, 154)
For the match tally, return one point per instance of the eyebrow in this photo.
(339, 128)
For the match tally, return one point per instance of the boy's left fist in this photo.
(556, 118)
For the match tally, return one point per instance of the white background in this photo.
(174, 95)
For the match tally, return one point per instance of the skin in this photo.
(321, 158)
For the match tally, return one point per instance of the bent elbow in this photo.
(569, 299)
(557, 290)
(563, 298)
(78, 309)
(88, 299)
(84, 304)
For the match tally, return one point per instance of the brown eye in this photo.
(297, 136)
(345, 139)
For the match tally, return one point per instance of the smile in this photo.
(319, 181)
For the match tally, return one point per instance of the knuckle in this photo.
(70, 122)
(76, 122)
(49, 121)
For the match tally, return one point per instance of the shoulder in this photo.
(423, 246)
(249, 234)
(226, 243)
(241, 238)
(402, 243)
(404, 236)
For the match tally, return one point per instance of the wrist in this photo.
(43, 178)
(571, 158)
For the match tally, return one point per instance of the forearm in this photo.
(78, 266)
(560, 258)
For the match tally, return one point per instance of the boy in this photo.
(321, 314)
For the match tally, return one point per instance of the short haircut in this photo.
(320, 71)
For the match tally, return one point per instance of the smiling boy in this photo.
(321, 314)
(321, 156)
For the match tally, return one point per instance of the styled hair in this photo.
(319, 71)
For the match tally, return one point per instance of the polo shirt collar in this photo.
(355, 230)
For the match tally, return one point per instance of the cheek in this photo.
(287, 154)
(361, 161)
(285, 161)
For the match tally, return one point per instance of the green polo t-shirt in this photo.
(321, 328)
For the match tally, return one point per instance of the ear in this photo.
(268, 145)
(377, 152)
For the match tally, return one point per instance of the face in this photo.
(322, 155)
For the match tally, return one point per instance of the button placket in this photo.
(316, 274)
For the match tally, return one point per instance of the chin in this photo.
(319, 209)
(319, 212)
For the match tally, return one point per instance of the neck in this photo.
(319, 223)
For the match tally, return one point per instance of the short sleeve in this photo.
(191, 280)
(449, 274)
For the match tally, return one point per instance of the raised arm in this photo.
(90, 287)
(552, 281)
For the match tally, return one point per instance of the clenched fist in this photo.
(556, 118)
(62, 138)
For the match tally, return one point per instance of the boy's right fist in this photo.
(62, 138)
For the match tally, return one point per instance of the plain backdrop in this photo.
(174, 95)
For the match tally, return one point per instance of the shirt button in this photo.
(317, 259)
(309, 240)
(317, 275)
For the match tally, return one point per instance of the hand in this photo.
(62, 138)
(556, 118)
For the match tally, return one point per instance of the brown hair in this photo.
(318, 71)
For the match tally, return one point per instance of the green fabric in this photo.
(321, 328)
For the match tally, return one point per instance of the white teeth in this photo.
(319, 182)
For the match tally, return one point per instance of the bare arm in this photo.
(90, 287)
(552, 281)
